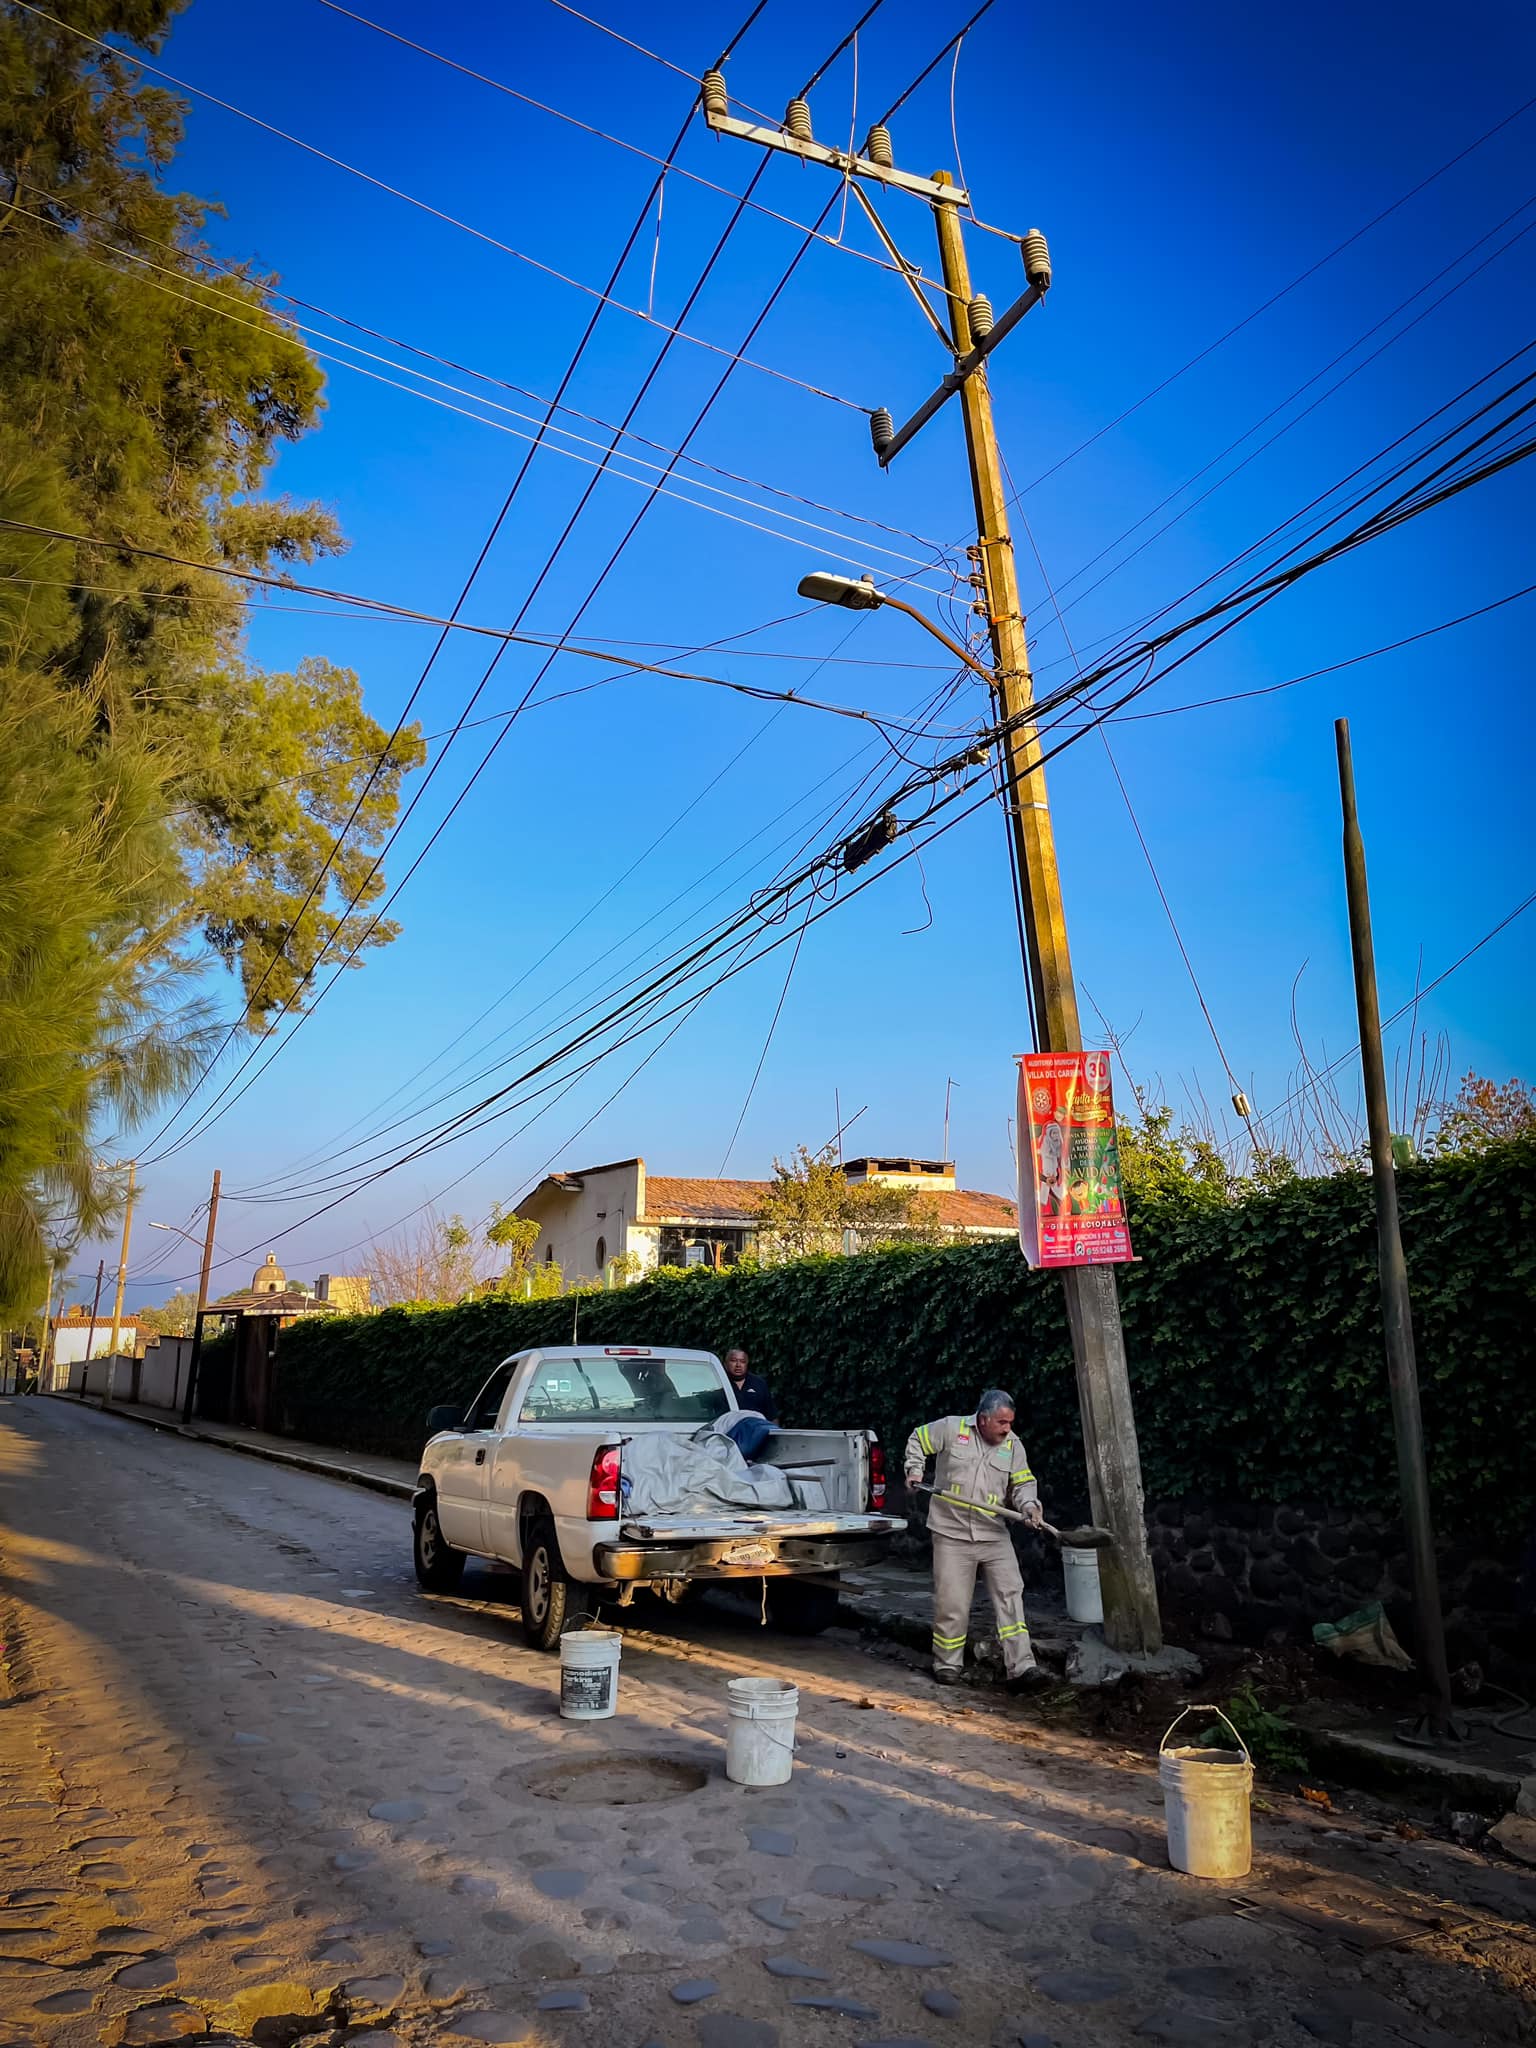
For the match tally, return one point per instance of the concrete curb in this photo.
(351, 1475)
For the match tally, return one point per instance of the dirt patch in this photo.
(618, 1781)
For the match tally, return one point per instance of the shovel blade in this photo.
(1086, 1538)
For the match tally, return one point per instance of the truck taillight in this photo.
(603, 1486)
(876, 1474)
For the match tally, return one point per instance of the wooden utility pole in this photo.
(202, 1300)
(42, 1349)
(1396, 1306)
(1131, 1619)
(122, 1274)
(90, 1335)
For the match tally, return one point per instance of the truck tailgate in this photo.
(748, 1524)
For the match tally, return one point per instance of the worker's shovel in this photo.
(1086, 1538)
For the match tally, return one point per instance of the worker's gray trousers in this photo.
(955, 1564)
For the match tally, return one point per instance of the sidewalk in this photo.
(395, 1476)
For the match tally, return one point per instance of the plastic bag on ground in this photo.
(1365, 1635)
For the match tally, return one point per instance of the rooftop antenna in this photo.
(837, 1120)
(948, 1085)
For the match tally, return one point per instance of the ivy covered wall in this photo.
(1254, 1335)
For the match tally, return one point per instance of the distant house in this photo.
(76, 1337)
(351, 1293)
(598, 1214)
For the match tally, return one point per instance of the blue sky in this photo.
(1185, 166)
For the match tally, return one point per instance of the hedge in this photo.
(1253, 1332)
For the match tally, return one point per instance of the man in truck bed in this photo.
(979, 1466)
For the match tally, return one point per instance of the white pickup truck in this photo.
(532, 1474)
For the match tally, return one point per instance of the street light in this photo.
(825, 587)
(191, 1240)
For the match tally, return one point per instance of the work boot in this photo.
(1031, 1679)
(942, 1676)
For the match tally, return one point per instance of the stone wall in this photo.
(1244, 1569)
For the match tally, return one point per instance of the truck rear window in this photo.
(620, 1390)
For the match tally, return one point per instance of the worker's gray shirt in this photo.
(966, 1469)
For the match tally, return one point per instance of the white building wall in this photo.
(571, 1224)
(68, 1341)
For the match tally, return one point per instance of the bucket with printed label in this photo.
(589, 1674)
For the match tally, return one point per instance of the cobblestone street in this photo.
(258, 1787)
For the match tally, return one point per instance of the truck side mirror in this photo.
(447, 1415)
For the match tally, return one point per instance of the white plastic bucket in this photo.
(589, 1674)
(1085, 1602)
(1207, 1794)
(760, 1736)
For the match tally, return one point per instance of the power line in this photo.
(273, 290)
(210, 1111)
(1333, 667)
(1141, 837)
(773, 1025)
(1249, 599)
(619, 142)
(1274, 299)
(604, 297)
(1222, 617)
(1322, 398)
(505, 634)
(609, 464)
(479, 562)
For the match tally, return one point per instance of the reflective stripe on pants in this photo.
(955, 1565)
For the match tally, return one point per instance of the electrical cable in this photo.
(1252, 601)
(609, 464)
(817, 835)
(1233, 1083)
(275, 291)
(773, 1025)
(1300, 279)
(210, 1111)
(437, 213)
(479, 562)
(1251, 597)
(666, 62)
(1333, 667)
(958, 37)
(849, 40)
(618, 141)
(1263, 446)
(504, 635)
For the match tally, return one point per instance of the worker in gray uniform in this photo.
(979, 1467)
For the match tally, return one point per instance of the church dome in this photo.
(269, 1277)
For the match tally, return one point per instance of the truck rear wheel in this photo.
(802, 1607)
(439, 1567)
(553, 1604)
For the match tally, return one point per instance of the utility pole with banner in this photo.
(968, 333)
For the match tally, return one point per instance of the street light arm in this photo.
(900, 605)
(191, 1240)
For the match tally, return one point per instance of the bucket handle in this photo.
(1210, 1708)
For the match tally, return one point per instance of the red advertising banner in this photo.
(1071, 1209)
